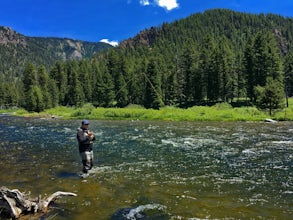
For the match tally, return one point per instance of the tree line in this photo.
(176, 67)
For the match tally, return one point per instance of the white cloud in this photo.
(144, 2)
(113, 43)
(167, 4)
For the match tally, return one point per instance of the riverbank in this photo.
(219, 112)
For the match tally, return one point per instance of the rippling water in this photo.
(154, 170)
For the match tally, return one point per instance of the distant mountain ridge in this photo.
(17, 49)
(236, 26)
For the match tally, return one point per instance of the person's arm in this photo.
(82, 137)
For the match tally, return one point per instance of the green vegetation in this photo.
(218, 112)
(218, 56)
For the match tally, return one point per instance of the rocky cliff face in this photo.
(144, 38)
(9, 36)
(16, 50)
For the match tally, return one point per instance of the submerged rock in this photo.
(145, 212)
(123, 214)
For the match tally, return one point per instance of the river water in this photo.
(153, 170)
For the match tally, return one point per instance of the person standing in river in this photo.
(85, 139)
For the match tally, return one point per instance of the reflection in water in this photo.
(161, 170)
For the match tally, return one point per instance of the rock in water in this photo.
(268, 120)
(123, 214)
(145, 212)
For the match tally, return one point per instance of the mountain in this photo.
(17, 49)
(236, 26)
(219, 54)
(215, 56)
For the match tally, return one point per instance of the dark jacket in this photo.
(84, 142)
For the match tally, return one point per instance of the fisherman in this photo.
(85, 139)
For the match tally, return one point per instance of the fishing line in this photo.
(153, 87)
(159, 95)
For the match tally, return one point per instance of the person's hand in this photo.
(91, 135)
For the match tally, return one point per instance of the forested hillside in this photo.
(215, 56)
(16, 50)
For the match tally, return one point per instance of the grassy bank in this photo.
(219, 112)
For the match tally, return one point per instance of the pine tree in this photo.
(59, 75)
(114, 67)
(189, 68)
(104, 90)
(117, 69)
(122, 93)
(288, 72)
(153, 93)
(98, 93)
(136, 84)
(32, 91)
(30, 78)
(75, 95)
(265, 62)
(34, 101)
(225, 69)
(54, 92)
(205, 67)
(171, 88)
(121, 84)
(9, 94)
(241, 79)
(86, 80)
(44, 81)
(248, 67)
(108, 93)
(180, 81)
(271, 96)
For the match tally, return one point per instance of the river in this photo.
(153, 170)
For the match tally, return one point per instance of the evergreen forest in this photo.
(216, 56)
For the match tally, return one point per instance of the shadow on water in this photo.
(66, 174)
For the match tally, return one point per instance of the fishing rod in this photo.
(147, 78)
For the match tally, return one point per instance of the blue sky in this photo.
(115, 20)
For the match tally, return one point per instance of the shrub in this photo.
(86, 109)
